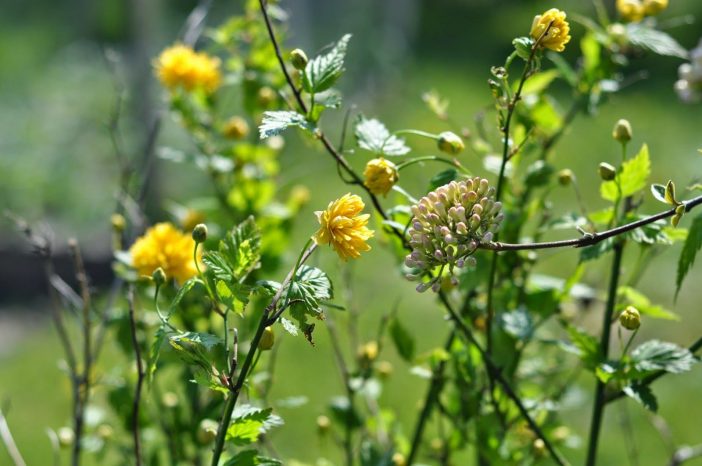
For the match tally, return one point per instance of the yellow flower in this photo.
(558, 34)
(380, 175)
(343, 228)
(180, 66)
(630, 10)
(653, 7)
(163, 245)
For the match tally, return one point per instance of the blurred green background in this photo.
(57, 167)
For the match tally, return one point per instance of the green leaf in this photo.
(658, 191)
(587, 347)
(275, 122)
(442, 178)
(311, 285)
(403, 340)
(632, 177)
(654, 40)
(238, 255)
(206, 340)
(522, 45)
(518, 324)
(155, 351)
(372, 135)
(692, 245)
(642, 394)
(187, 286)
(324, 70)
(249, 423)
(596, 250)
(632, 297)
(538, 82)
(655, 355)
(234, 295)
(251, 458)
(652, 233)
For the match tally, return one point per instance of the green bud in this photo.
(66, 437)
(267, 339)
(323, 424)
(206, 431)
(630, 318)
(450, 143)
(298, 58)
(118, 222)
(565, 177)
(607, 172)
(200, 233)
(622, 131)
(159, 276)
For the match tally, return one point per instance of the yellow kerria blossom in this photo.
(380, 175)
(163, 245)
(343, 228)
(180, 66)
(630, 10)
(558, 34)
(653, 7)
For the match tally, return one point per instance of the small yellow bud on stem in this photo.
(450, 143)
(630, 318)
(606, 171)
(622, 131)
(200, 233)
(298, 58)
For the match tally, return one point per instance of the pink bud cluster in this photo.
(448, 226)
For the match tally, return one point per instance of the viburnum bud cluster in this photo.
(449, 224)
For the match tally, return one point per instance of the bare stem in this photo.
(9, 441)
(140, 378)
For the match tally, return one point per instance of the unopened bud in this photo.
(607, 172)
(630, 318)
(653, 7)
(169, 400)
(206, 431)
(118, 222)
(200, 233)
(105, 431)
(267, 339)
(159, 276)
(450, 143)
(368, 352)
(398, 459)
(539, 448)
(622, 131)
(384, 369)
(323, 424)
(565, 177)
(266, 96)
(66, 437)
(236, 128)
(298, 58)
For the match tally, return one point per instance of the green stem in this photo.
(600, 401)
(417, 132)
(164, 319)
(431, 158)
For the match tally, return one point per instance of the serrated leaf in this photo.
(310, 286)
(522, 45)
(246, 428)
(587, 346)
(692, 245)
(655, 355)
(289, 326)
(323, 71)
(155, 351)
(654, 40)
(234, 295)
(642, 394)
(251, 458)
(372, 135)
(631, 178)
(239, 254)
(403, 340)
(652, 233)
(275, 122)
(632, 297)
(206, 340)
(182, 291)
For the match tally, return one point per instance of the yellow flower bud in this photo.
(539, 448)
(384, 369)
(630, 10)
(398, 459)
(380, 176)
(607, 172)
(118, 222)
(368, 352)
(554, 28)
(622, 131)
(266, 96)
(450, 143)
(298, 58)
(267, 339)
(565, 177)
(323, 424)
(653, 7)
(235, 128)
(630, 318)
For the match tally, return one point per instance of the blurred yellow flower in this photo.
(180, 66)
(558, 34)
(630, 10)
(163, 245)
(653, 7)
(343, 228)
(380, 176)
